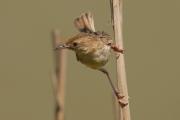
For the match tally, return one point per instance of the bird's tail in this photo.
(85, 22)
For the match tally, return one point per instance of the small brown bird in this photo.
(92, 48)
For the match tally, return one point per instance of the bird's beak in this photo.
(61, 46)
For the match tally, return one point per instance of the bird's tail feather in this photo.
(85, 23)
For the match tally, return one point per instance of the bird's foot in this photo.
(117, 49)
(122, 100)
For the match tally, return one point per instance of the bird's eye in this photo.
(75, 44)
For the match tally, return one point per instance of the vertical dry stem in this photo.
(116, 11)
(60, 76)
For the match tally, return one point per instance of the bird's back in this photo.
(85, 24)
(95, 51)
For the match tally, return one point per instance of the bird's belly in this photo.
(95, 60)
(94, 63)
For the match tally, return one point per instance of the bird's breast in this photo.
(96, 59)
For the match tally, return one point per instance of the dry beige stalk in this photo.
(60, 77)
(117, 14)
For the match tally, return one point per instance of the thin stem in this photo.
(117, 14)
(60, 76)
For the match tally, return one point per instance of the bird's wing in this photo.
(85, 23)
(104, 37)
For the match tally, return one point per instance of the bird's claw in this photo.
(122, 100)
(117, 49)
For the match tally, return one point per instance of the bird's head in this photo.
(77, 45)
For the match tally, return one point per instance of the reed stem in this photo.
(116, 15)
(60, 77)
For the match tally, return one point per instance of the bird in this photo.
(92, 48)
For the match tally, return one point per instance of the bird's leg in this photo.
(116, 92)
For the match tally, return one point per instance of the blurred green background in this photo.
(151, 40)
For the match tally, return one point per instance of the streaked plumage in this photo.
(92, 48)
